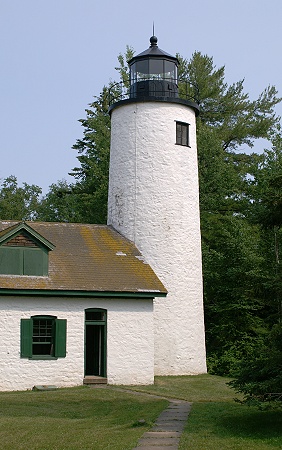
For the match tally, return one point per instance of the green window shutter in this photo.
(60, 338)
(11, 261)
(26, 338)
(35, 262)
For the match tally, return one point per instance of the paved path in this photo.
(166, 432)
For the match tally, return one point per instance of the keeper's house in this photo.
(76, 306)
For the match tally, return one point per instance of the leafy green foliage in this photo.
(228, 108)
(94, 151)
(267, 184)
(259, 376)
(232, 277)
(235, 283)
(91, 187)
(18, 203)
(123, 68)
(60, 204)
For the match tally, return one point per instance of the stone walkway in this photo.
(166, 432)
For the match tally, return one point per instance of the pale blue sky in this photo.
(55, 55)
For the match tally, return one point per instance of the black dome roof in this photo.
(153, 52)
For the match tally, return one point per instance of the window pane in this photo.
(142, 70)
(182, 134)
(178, 133)
(94, 315)
(184, 139)
(133, 73)
(170, 70)
(156, 67)
(42, 337)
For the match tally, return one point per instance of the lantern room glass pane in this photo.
(153, 69)
(141, 69)
(142, 66)
(170, 70)
(156, 68)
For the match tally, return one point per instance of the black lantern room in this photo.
(153, 73)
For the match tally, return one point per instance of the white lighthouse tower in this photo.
(154, 201)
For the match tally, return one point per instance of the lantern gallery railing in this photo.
(153, 88)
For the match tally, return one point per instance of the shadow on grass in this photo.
(249, 422)
(228, 420)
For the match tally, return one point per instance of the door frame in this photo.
(97, 317)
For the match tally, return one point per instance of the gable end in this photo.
(21, 240)
(23, 252)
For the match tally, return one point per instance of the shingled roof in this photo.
(86, 259)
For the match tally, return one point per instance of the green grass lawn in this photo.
(228, 426)
(100, 419)
(200, 388)
(77, 418)
(216, 422)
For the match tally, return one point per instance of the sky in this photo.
(56, 56)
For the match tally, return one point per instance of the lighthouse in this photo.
(154, 201)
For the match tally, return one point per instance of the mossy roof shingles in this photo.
(87, 257)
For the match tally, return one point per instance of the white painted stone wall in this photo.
(130, 354)
(154, 201)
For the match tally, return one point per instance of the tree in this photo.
(232, 258)
(60, 204)
(267, 184)
(228, 108)
(94, 152)
(267, 211)
(233, 273)
(18, 203)
(259, 376)
(123, 68)
(91, 176)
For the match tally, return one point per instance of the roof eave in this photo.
(79, 293)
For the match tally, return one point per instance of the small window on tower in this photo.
(182, 134)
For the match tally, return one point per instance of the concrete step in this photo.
(91, 379)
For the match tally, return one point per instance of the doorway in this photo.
(95, 342)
